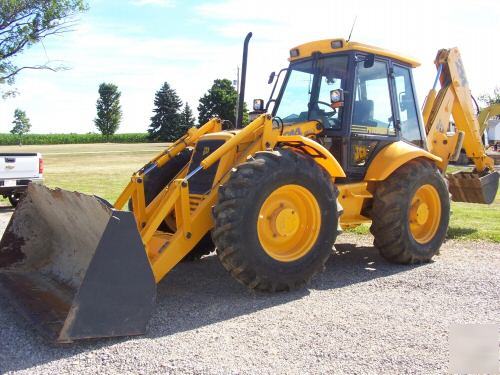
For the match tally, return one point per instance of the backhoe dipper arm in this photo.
(453, 99)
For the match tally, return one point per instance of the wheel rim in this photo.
(425, 214)
(289, 223)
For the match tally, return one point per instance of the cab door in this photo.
(373, 120)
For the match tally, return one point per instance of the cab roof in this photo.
(328, 46)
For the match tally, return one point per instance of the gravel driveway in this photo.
(361, 315)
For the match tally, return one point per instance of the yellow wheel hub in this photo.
(289, 223)
(425, 214)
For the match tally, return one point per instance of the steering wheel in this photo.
(333, 110)
(333, 122)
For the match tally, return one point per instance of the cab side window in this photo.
(410, 128)
(372, 112)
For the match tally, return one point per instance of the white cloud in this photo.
(65, 101)
(417, 29)
(161, 3)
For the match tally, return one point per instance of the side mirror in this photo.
(369, 61)
(258, 105)
(337, 98)
(271, 78)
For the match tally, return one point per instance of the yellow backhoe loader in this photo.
(341, 142)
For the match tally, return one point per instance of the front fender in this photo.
(319, 154)
(394, 156)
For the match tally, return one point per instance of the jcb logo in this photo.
(206, 150)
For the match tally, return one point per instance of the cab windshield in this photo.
(306, 95)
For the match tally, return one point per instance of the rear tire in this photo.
(246, 249)
(411, 212)
(14, 199)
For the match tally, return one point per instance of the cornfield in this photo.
(72, 138)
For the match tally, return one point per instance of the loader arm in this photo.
(453, 99)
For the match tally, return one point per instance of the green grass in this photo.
(104, 170)
(100, 169)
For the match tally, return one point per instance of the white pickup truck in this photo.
(17, 170)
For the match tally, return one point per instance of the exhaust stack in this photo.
(241, 97)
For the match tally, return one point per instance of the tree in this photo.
(491, 99)
(21, 124)
(24, 23)
(187, 118)
(220, 101)
(166, 123)
(109, 113)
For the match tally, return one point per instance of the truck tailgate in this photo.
(19, 165)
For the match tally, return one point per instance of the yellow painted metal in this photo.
(325, 46)
(439, 141)
(289, 223)
(453, 99)
(425, 214)
(233, 142)
(135, 190)
(306, 129)
(192, 135)
(185, 209)
(177, 246)
(161, 211)
(125, 195)
(487, 113)
(352, 198)
(393, 156)
(290, 218)
(322, 156)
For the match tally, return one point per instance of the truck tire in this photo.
(411, 212)
(276, 221)
(14, 199)
(154, 183)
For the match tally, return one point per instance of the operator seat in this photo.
(363, 113)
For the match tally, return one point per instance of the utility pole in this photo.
(237, 84)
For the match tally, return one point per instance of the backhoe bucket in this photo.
(473, 187)
(76, 268)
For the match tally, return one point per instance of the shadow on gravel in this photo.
(352, 264)
(193, 295)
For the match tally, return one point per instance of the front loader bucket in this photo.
(473, 187)
(75, 267)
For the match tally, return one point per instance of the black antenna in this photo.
(352, 28)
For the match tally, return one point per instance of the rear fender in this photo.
(394, 156)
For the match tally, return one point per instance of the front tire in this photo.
(276, 221)
(411, 212)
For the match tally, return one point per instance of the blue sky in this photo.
(139, 44)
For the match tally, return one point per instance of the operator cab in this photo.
(363, 96)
